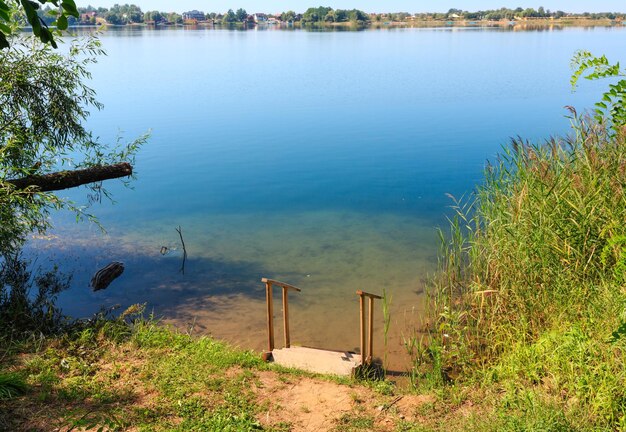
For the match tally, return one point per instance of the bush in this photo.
(27, 299)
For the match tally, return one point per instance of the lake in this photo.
(322, 159)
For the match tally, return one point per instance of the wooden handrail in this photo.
(366, 294)
(367, 352)
(270, 310)
(281, 284)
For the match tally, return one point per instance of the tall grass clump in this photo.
(544, 241)
(533, 274)
(11, 385)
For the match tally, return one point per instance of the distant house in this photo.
(193, 15)
(89, 16)
(260, 18)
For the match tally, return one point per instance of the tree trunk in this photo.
(70, 179)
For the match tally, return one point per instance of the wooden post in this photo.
(370, 333)
(270, 315)
(286, 317)
(367, 353)
(362, 304)
(270, 310)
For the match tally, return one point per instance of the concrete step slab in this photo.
(315, 360)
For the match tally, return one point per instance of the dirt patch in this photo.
(407, 407)
(308, 404)
(305, 403)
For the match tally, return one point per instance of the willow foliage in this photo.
(44, 103)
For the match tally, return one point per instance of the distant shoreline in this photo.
(526, 23)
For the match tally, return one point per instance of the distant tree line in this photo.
(497, 14)
(117, 15)
(132, 14)
(232, 17)
(329, 15)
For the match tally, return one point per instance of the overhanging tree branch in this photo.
(70, 179)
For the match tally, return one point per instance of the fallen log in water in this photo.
(103, 277)
(70, 179)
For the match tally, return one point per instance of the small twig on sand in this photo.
(180, 233)
(386, 407)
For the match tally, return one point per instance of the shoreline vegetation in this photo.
(327, 17)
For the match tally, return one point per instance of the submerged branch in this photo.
(179, 230)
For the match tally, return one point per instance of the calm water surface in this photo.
(319, 158)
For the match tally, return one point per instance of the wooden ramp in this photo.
(317, 360)
(342, 363)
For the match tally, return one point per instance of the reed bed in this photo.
(532, 282)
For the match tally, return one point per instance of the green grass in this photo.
(11, 385)
(117, 374)
(355, 422)
(95, 376)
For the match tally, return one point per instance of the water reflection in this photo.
(513, 26)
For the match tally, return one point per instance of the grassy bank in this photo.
(139, 375)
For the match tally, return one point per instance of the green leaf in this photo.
(5, 12)
(31, 15)
(62, 22)
(619, 333)
(70, 8)
(4, 43)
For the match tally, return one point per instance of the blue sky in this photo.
(272, 6)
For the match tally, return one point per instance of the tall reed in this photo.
(539, 250)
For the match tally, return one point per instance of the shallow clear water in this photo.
(319, 158)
